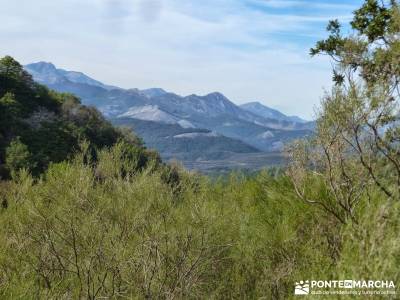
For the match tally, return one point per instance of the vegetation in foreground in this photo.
(92, 232)
(102, 225)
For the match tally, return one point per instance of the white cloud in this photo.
(304, 3)
(184, 46)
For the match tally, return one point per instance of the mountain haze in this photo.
(266, 112)
(249, 128)
(47, 73)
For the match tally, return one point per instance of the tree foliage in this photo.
(356, 147)
(18, 156)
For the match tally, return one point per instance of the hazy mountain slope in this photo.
(47, 73)
(153, 92)
(173, 141)
(267, 112)
(149, 113)
(267, 131)
(209, 105)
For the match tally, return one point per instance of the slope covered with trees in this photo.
(39, 126)
(95, 226)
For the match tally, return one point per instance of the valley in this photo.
(207, 132)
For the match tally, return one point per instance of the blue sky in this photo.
(250, 50)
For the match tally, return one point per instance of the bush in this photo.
(71, 235)
(18, 157)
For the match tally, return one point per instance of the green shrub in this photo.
(18, 157)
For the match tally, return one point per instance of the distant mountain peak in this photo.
(209, 96)
(153, 92)
(264, 111)
(42, 65)
(253, 103)
(216, 95)
(213, 111)
(46, 72)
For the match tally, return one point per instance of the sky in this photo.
(249, 50)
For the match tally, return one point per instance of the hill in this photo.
(175, 142)
(39, 126)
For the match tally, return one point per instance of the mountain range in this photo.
(187, 128)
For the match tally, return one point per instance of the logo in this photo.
(348, 284)
(345, 287)
(302, 288)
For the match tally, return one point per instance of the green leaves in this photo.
(372, 50)
(355, 145)
(9, 108)
(12, 75)
(372, 20)
(333, 44)
(18, 157)
(10, 68)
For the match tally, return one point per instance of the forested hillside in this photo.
(88, 213)
(39, 126)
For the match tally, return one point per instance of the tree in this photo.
(11, 71)
(356, 145)
(18, 157)
(9, 110)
